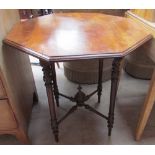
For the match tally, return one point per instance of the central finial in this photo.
(79, 87)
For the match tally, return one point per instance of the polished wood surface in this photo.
(74, 36)
(68, 36)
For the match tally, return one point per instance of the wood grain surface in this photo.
(68, 36)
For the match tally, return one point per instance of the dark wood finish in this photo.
(75, 36)
(55, 86)
(72, 36)
(47, 71)
(100, 79)
(80, 98)
(114, 86)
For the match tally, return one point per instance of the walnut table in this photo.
(77, 36)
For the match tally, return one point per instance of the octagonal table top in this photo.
(70, 36)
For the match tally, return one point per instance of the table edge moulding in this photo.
(99, 36)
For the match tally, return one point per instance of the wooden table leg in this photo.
(115, 75)
(55, 86)
(100, 71)
(147, 107)
(48, 83)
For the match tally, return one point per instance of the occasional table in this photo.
(77, 36)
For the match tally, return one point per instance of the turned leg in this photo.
(48, 84)
(55, 86)
(147, 108)
(99, 88)
(114, 86)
